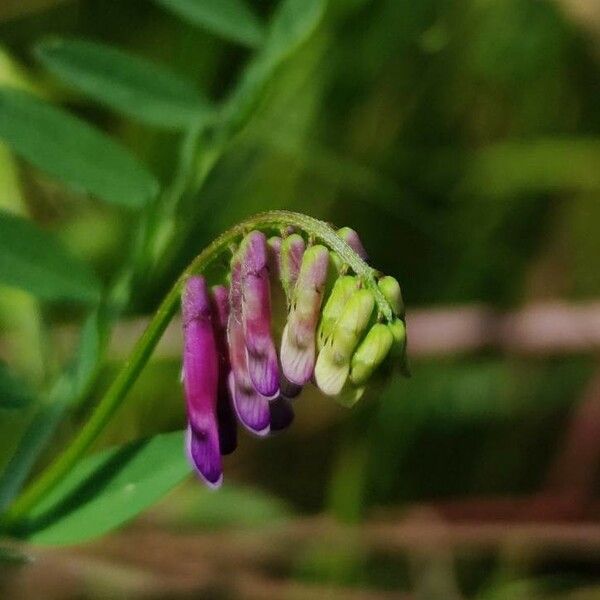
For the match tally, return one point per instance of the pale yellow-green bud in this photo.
(333, 363)
(371, 353)
(342, 290)
(390, 288)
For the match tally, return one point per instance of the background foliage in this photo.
(462, 139)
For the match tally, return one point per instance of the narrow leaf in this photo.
(14, 394)
(67, 391)
(107, 489)
(292, 24)
(35, 261)
(126, 83)
(231, 19)
(72, 151)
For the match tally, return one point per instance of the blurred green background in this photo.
(462, 140)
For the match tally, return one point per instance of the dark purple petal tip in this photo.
(282, 414)
(204, 455)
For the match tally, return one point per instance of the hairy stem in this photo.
(144, 347)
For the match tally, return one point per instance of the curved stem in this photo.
(144, 347)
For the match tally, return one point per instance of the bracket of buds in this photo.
(290, 312)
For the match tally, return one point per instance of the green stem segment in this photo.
(144, 347)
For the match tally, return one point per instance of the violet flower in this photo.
(200, 378)
(251, 407)
(256, 315)
(337, 328)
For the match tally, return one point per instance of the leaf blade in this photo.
(292, 24)
(36, 262)
(107, 489)
(124, 82)
(14, 393)
(73, 151)
(231, 19)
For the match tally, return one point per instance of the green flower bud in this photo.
(390, 288)
(333, 363)
(342, 290)
(371, 353)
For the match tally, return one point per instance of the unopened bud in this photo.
(390, 288)
(353, 240)
(342, 290)
(371, 353)
(333, 364)
(298, 344)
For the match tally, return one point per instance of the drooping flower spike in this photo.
(293, 312)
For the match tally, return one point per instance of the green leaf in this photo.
(14, 394)
(107, 489)
(293, 23)
(35, 261)
(231, 19)
(126, 83)
(67, 391)
(72, 151)
(234, 506)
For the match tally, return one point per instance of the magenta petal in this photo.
(204, 455)
(256, 315)
(251, 408)
(200, 379)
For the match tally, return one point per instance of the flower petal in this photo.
(200, 379)
(298, 347)
(204, 455)
(353, 240)
(256, 315)
(251, 408)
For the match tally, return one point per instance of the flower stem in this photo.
(144, 347)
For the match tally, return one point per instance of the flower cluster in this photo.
(329, 323)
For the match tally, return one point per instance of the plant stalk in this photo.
(144, 347)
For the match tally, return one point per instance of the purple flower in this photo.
(251, 407)
(298, 344)
(256, 315)
(200, 378)
(231, 367)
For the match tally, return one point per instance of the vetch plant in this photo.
(343, 320)
(232, 361)
(297, 305)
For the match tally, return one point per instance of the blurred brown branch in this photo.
(539, 329)
(148, 560)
